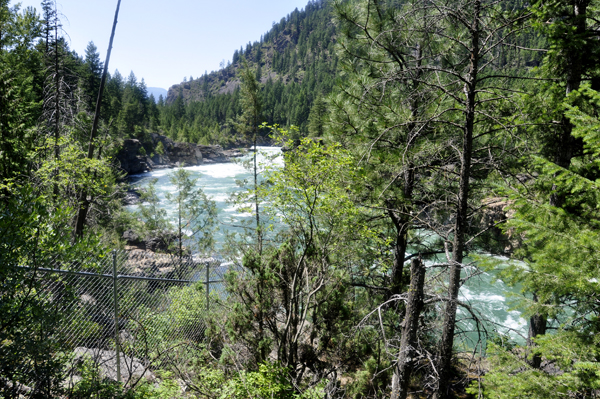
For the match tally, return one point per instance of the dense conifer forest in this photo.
(296, 64)
(426, 143)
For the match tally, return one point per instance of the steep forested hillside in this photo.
(295, 61)
(297, 64)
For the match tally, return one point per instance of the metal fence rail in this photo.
(124, 313)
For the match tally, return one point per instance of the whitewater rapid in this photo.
(489, 297)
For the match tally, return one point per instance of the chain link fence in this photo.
(120, 315)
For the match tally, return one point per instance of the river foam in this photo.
(485, 294)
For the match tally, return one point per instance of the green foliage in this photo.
(184, 315)
(160, 149)
(73, 172)
(153, 216)
(195, 212)
(187, 305)
(560, 244)
(567, 30)
(90, 75)
(19, 105)
(581, 107)
(312, 195)
(35, 235)
(270, 381)
(314, 226)
(371, 380)
(92, 385)
(251, 103)
(561, 265)
(572, 369)
(134, 116)
(316, 118)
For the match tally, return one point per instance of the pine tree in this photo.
(414, 118)
(195, 212)
(248, 123)
(90, 75)
(17, 100)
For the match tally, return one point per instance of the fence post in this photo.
(207, 285)
(116, 303)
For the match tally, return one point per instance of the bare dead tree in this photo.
(57, 105)
(84, 203)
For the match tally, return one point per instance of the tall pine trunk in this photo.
(408, 344)
(460, 227)
(84, 203)
(403, 221)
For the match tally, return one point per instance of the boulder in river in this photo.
(132, 197)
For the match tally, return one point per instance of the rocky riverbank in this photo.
(159, 152)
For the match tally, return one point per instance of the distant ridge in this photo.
(157, 92)
(295, 60)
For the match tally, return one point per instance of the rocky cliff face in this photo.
(131, 160)
(134, 160)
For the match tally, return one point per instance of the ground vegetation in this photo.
(398, 135)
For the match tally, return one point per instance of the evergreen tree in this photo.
(18, 105)
(195, 212)
(90, 76)
(399, 97)
(249, 123)
(572, 57)
(560, 264)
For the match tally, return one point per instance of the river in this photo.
(490, 298)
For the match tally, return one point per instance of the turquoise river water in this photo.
(490, 298)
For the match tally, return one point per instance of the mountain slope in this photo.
(295, 61)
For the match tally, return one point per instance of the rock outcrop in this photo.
(132, 162)
(129, 367)
(157, 242)
(495, 211)
(134, 156)
(132, 196)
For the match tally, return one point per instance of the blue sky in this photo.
(163, 41)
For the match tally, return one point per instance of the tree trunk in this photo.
(537, 326)
(402, 222)
(56, 111)
(256, 204)
(460, 228)
(400, 246)
(407, 356)
(83, 202)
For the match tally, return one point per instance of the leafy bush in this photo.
(370, 381)
(571, 369)
(31, 307)
(92, 385)
(160, 148)
(181, 320)
(271, 381)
